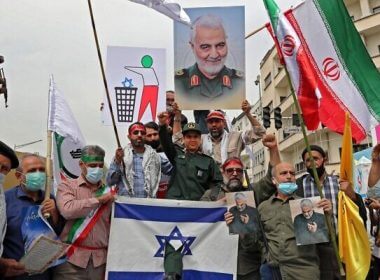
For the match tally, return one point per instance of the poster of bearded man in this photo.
(209, 59)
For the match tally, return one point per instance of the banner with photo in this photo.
(136, 83)
(209, 59)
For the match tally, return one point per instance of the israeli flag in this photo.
(140, 229)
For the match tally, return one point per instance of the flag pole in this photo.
(103, 74)
(328, 218)
(255, 31)
(48, 168)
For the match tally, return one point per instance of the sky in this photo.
(43, 37)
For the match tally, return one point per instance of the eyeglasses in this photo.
(137, 132)
(4, 168)
(232, 170)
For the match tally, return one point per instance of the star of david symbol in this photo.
(175, 235)
(127, 81)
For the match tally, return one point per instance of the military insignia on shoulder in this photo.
(239, 74)
(226, 81)
(194, 81)
(180, 72)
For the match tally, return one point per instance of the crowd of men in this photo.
(172, 159)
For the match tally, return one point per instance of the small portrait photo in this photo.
(242, 207)
(209, 59)
(309, 221)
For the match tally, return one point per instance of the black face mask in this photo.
(320, 171)
(154, 144)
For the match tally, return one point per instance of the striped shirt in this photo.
(330, 189)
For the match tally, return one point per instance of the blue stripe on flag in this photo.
(186, 274)
(169, 214)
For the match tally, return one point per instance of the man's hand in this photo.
(163, 118)
(49, 209)
(325, 204)
(11, 267)
(105, 198)
(269, 141)
(119, 155)
(244, 218)
(312, 227)
(176, 109)
(373, 203)
(347, 188)
(228, 217)
(246, 107)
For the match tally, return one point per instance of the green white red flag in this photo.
(330, 68)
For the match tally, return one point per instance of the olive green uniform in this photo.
(227, 88)
(295, 262)
(193, 174)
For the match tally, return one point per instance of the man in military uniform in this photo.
(194, 173)
(209, 79)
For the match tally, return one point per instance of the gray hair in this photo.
(93, 150)
(24, 157)
(240, 196)
(306, 203)
(208, 21)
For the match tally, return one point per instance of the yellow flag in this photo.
(354, 248)
(346, 163)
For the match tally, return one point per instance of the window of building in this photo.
(376, 10)
(282, 98)
(267, 80)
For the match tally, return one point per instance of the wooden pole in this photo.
(255, 31)
(103, 74)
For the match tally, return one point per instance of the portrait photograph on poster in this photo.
(309, 221)
(246, 217)
(209, 59)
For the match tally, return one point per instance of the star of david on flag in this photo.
(175, 235)
(141, 229)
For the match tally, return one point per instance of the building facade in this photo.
(275, 92)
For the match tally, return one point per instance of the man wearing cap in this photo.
(85, 201)
(30, 192)
(330, 188)
(194, 173)
(220, 144)
(209, 79)
(8, 161)
(142, 164)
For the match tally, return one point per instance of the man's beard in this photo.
(216, 134)
(234, 185)
(154, 144)
(211, 70)
(320, 171)
(137, 143)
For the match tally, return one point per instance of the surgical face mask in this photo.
(94, 174)
(35, 181)
(2, 178)
(287, 188)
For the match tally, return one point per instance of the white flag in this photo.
(168, 8)
(140, 229)
(67, 137)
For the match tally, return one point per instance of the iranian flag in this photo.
(67, 137)
(329, 66)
